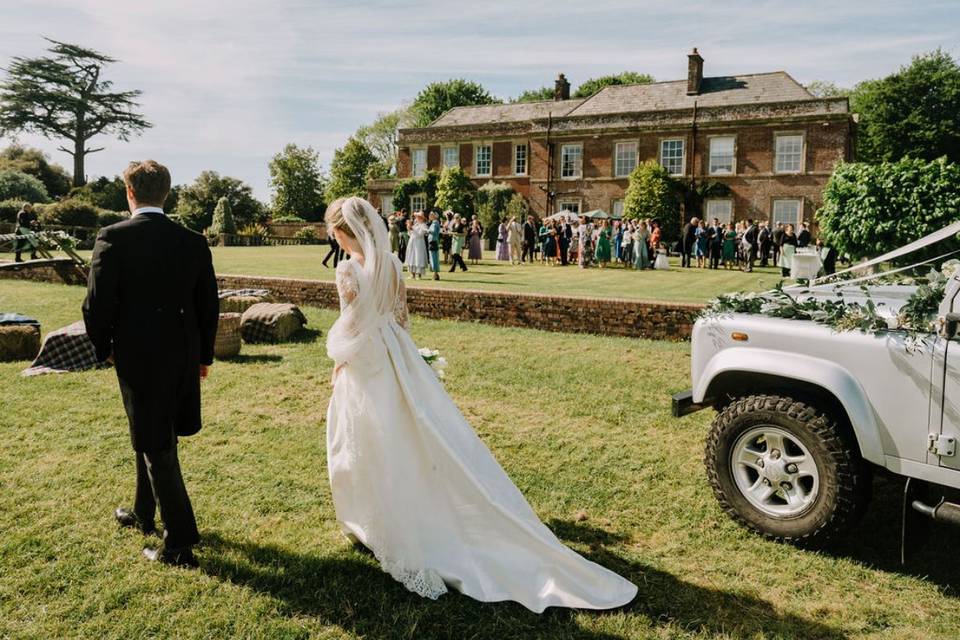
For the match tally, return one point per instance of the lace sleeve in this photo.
(400, 306)
(346, 284)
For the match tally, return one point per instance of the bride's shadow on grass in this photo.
(350, 591)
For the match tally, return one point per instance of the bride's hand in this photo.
(336, 372)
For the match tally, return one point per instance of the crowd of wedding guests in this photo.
(427, 242)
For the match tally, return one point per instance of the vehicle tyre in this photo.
(786, 469)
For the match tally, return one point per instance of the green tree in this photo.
(106, 193)
(197, 201)
(439, 97)
(223, 218)
(914, 112)
(535, 95)
(870, 208)
(349, 169)
(380, 137)
(298, 183)
(517, 207)
(593, 85)
(826, 89)
(16, 185)
(34, 162)
(455, 191)
(650, 193)
(65, 96)
(492, 201)
(406, 189)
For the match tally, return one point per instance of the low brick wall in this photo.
(604, 316)
(58, 270)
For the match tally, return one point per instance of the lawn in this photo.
(688, 285)
(580, 423)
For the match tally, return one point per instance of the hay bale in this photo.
(19, 342)
(271, 322)
(227, 343)
(239, 304)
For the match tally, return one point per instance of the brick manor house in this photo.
(765, 136)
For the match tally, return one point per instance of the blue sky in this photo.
(228, 84)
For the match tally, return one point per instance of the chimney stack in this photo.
(694, 72)
(561, 88)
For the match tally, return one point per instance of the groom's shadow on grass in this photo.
(350, 591)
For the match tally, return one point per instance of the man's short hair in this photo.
(149, 180)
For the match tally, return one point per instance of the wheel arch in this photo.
(734, 373)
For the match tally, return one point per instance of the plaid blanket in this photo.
(271, 322)
(16, 318)
(63, 350)
(245, 293)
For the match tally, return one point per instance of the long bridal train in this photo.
(412, 481)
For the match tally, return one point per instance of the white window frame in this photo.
(526, 158)
(796, 222)
(733, 160)
(683, 155)
(617, 173)
(613, 206)
(456, 156)
(476, 159)
(776, 151)
(709, 215)
(414, 152)
(384, 210)
(578, 202)
(417, 196)
(578, 167)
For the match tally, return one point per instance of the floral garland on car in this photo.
(917, 315)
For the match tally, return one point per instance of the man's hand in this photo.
(111, 360)
(204, 371)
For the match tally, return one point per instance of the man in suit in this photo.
(26, 221)
(152, 310)
(334, 251)
(529, 240)
(764, 238)
(687, 240)
(777, 238)
(803, 238)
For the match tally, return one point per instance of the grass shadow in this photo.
(254, 358)
(304, 336)
(350, 591)
(875, 540)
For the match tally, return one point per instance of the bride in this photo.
(410, 479)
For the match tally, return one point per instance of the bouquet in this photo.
(433, 358)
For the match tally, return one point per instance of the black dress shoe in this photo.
(128, 519)
(182, 558)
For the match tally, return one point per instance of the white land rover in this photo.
(805, 411)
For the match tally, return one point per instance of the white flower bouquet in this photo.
(433, 358)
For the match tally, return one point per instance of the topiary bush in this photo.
(307, 235)
(492, 201)
(869, 209)
(223, 218)
(287, 219)
(16, 185)
(455, 192)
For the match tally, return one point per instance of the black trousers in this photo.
(716, 251)
(457, 260)
(159, 482)
(333, 253)
(527, 251)
(685, 257)
(764, 254)
(22, 243)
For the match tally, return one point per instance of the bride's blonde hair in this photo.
(335, 220)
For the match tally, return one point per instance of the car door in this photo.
(946, 399)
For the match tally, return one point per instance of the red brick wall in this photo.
(629, 318)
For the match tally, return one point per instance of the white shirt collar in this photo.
(139, 210)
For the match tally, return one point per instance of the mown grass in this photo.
(676, 285)
(580, 423)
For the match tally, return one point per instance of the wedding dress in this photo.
(409, 477)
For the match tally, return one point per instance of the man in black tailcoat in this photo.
(152, 310)
(688, 238)
(529, 240)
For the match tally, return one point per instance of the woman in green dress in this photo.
(602, 254)
(729, 246)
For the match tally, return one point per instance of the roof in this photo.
(720, 91)
(515, 112)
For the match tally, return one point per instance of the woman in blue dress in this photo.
(702, 246)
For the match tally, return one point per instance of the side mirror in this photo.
(951, 322)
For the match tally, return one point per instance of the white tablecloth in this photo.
(805, 266)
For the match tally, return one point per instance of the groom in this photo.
(152, 311)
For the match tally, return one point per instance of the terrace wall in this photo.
(603, 316)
